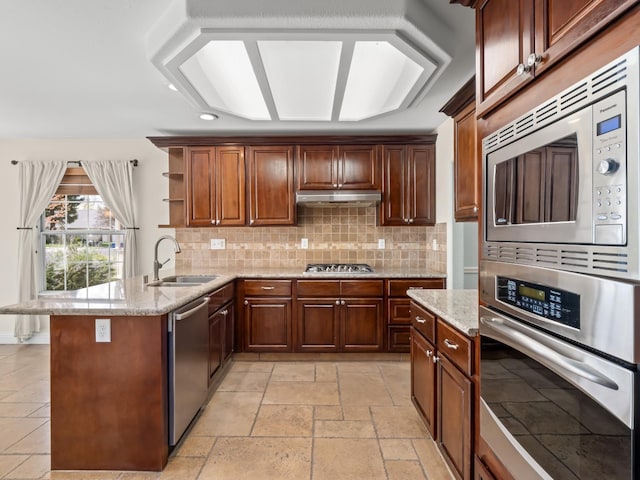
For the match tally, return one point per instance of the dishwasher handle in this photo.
(188, 313)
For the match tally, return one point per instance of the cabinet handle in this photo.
(450, 344)
(335, 185)
(213, 222)
(475, 209)
(522, 68)
(268, 288)
(337, 302)
(217, 222)
(246, 302)
(342, 302)
(251, 222)
(411, 220)
(429, 353)
(415, 288)
(225, 312)
(339, 185)
(420, 319)
(435, 359)
(534, 59)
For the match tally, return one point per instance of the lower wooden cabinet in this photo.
(442, 386)
(221, 327)
(481, 472)
(216, 340)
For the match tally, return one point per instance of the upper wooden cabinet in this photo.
(408, 185)
(519, 39)
(334, 167)
(270, 185)
(466, 162)
(215, 186)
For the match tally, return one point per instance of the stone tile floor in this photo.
(267, 420)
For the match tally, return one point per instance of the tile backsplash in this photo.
(335, 235)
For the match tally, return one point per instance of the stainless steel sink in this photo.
(182, 281)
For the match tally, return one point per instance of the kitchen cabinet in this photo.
(519, 39)
(339, 315)
(175, 174)
(221, 327)
(442, 386)
(480, 471)
(267, 309)
(398, 309)
(335, 167)
(408, 185)
(270, 185)
(215, 186)
(466, 161)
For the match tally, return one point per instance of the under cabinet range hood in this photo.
(338, 198)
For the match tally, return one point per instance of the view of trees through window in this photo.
(82, 241)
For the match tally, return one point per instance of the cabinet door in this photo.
(563, 26)
(317, 167)
(271, 196)
(504, 39)
(230, 185)
(229, 331)
(317, 325)
(423, 380)
(216, 326)
(267, 323)
(454, 417)
(361, 328)
(200, 187)
(466, 166)
(399, 339)
(422, 184)
(359, 167)
(394, 204)
(480, 471)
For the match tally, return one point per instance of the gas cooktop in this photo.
(338, 268)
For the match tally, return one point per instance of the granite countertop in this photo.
(457, 307)
(133, 297)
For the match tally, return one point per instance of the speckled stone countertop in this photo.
(457, 307)
(132, 297)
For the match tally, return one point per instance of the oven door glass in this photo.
(565, 431)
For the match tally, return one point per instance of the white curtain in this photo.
(38, 181)
(113, 180)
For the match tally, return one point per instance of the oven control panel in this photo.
(550, 303)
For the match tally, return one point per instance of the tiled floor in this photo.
(267, 420)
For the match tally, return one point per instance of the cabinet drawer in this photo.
(423, 321)
(398, 288)
(455, 346)
(399, 311)
(269, 288)
(220, 296)
(318, 288)
(399, 339)
(361, 288)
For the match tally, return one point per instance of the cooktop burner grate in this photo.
(338, 268)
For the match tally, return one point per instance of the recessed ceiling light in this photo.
(208, 116)
(171, 86)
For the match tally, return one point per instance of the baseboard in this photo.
(38, 338)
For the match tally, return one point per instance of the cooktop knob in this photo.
(608, 166)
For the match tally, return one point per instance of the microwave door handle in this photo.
(529, 345)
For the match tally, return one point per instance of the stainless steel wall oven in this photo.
(560, 283)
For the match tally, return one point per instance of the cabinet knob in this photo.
(251, 221)
(213, 221)
(268, 287)
(429, 353)
(435, 359)
(342, 302)
(217, 222)
(246, 302)
(450, 344)
(339, 185)
(411, 220)
(475, 209)
(225, 312)
(337, 302)
(420, 319)
(335, 185)
(534, 59)
(522, 68)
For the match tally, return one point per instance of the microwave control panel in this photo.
(610, 170)
(550, 303)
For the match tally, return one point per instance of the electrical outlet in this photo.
(217, 244)
(381, 244)
(304, 243)
(434, 244)
(103, 330)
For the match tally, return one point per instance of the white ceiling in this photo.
(82, 68)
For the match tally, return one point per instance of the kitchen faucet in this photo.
(156, 264)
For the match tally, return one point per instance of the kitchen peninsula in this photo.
(109, 401)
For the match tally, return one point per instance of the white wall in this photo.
(149, 189)
(444, 197)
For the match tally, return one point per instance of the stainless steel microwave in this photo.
(561, 184)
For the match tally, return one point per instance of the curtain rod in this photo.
(133, 162)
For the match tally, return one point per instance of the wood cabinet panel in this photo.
(200, 188)
(455, 346)
(454, 417)
(318, 288)
(359, 167)
(398, 288)
(228, 345)
(273, 288)
(424, 322)
(394, 187)
(361, 288)
(267, 323)
(480, 471)
(317, 325)
(216, 340)
(398, 338)
(270, 185)
(361, 325)
(230, 183)
(399, 311)
(423, 380)
(466, 165)
(317, 167)
(422, 184)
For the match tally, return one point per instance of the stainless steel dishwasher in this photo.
(188, 365)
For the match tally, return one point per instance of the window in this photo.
(83, 243)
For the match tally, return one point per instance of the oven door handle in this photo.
(535, 345)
